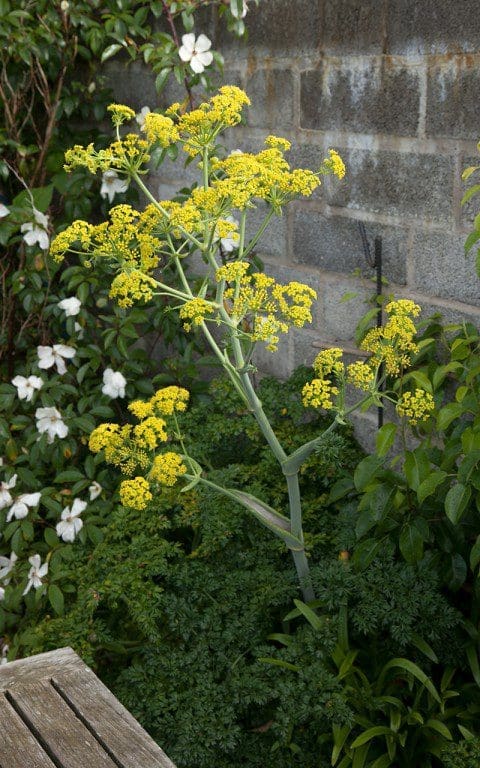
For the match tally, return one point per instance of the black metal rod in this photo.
(375, 263)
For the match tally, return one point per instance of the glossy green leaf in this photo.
(456, 501)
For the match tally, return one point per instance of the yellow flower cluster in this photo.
(360, 375)
(334, 164)
(135, 493)
(160, 129)
(392, 344)
(329, 361)
(270, 308)
(416, 406)
(243, 176)
(127, 154)
(164, 402)
(199, 127)
(120, 113)
(193, 312)
(277, 142)
(130, 287)
(167, 468)
(80, 232)
(319, 393)
(150, 432)
(125, 447)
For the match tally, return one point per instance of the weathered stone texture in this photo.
(352, 27)
(452, 99)
(432, 27)
(344, 303)
(441, 268)
(271, 94)
(369, 95)
(334, 243)
(396, 183)
(273, 242)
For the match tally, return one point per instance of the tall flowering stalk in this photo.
(245, 307)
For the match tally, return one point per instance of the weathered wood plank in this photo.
(18, 748)
(54, 724)
(40, 667)
(113, 724)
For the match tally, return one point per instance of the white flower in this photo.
(231, 240)
(49, 420)
(196, 51)
(140, 116)
(95, 490)
(36, 573)
(48, 356)
(70, 306)
(2, 594)
(5, 495)
(35, 231)
(234, 10)
(19, 508)
(4, 659)
(114, 383)
(70, 523)
(26, 387)
(6, 566)
(4, 211)
(79, 330)
(64, 6)
(112, 185)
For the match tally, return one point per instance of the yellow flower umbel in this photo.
(167, 468)
(334, 164)
(194, 312)
(360, 375)
(264, 306)
(329, 362)
(319, 393)
(135, 493)
(416, 406)
(393, 343)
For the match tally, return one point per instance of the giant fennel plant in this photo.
(234, 306)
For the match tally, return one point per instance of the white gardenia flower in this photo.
(27, 386)
(48, 356)
(112, 185)
(94, 490)
(4, 211)
(70, 524)
(114, 383)
(35, 231)
(196, 51)
(70, 306)
(2, 594)
(5, 495)
(36, 573)
(7, 565)
(140, 116)
(4, 659)
(49, 420)
(20, 507)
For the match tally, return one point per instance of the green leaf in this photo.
(366, 471)
(456, 502)
(55, 597)
(110, 51)
(281, 663)
(340, 735)
(439, 727)
(69, 476)
(385, 438)
(475, 554)
(428, 486)
(366, 552)
(411, 542)
(470, 193)
(313, 619)
(340, 489)
(369, 734)
(416, 467)
(447, 414)
(424, 647)
(384, 761)
(472, 657)
(50, 537)
(412, 669)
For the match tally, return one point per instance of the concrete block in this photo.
(402, 184)
(273, 242)
(279, 27)
(452, 99)
(279, 363)
(271, 94)
(335, 244)
(304, 351)
(364, 95)
(131, 83)
(352, 26)
(432, 27)
(340, 315)
(441, 269)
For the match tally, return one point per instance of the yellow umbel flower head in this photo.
(416, 406)
(135, 493)
(167, 468)
(318, 394)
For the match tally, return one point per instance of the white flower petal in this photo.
(203, 44)
(4, 211)
(188, 41)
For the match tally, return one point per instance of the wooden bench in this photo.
(55, 713)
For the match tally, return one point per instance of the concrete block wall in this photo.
(393, 85)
